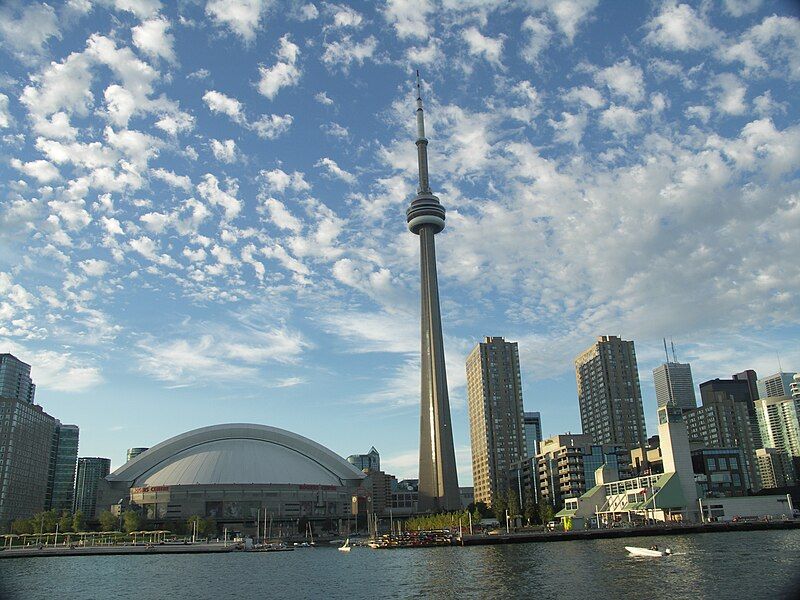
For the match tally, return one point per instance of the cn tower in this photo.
(438, 481)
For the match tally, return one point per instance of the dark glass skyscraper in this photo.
(90, 471)
(64, 459)
(438, 481)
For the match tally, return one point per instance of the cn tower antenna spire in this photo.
(422, 143)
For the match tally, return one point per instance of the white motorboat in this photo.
(346, 546)
(648, 552)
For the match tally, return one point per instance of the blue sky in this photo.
(202, 204)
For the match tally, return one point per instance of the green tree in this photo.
(131, 521)
(20, 526)
(78, 521)
(513, 504)
(499, 506)
(208, 526)
(530, 509)
(108, 521)
(45, 521)
(546, 512)
(65, 522)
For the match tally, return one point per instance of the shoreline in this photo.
(468, 540)
(620, 532)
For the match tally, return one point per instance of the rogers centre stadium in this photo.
(234, 473)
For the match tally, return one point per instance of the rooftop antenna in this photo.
(665, 349)
(780, 368)
(674, 358)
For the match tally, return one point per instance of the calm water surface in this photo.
(749, 565)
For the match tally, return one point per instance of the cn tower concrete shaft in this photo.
(438, 481)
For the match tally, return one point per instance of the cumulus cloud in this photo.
(623, 79)
(681, 27)
(220, 103)
(729, 92)
(335, 170)
(224, 150)
(242, 17)
(491, 49)
(41, 170)
(539, 36)
(25, 28)
(346, 51)
(284, 73)
(410, 18)
(210, 191)
(272, 126)
(278, 180)
(152, 38)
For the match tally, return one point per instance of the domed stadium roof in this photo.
(238, 453)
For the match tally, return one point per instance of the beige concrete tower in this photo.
(438, 481)
(496, 421)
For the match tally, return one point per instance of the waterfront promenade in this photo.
(467, 540)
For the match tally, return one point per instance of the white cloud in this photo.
(176, 123)
(778, 38)
(344, 52)
(94, 267)
(152, 38)
(57, 126)
(738, 8)
(680, 27)
(224, 150)
(322, 98)
(139, 8)
(730, 94)
(41, 170)
(335, 170)
(284, 73)
(344, 16)
(149, 249)
(586, 95)
(5, 115)
(28, 30)
(220, 103)
(623, 79)
(539, 36)
(278, 180)
(173, 179)
(569, 14)
(480, 45)
(335, 130)
(308, 12)
(410, 18)
(155, 222)
(280, 215)
(425, 55)
(620, 120)
(243, 17)
(225, 354)
(59, 371)
(570, 128)
(210, 191)
(272, 126)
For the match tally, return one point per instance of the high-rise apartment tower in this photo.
(609, 395)
(494, 400)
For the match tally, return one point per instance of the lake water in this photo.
(749, 565)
